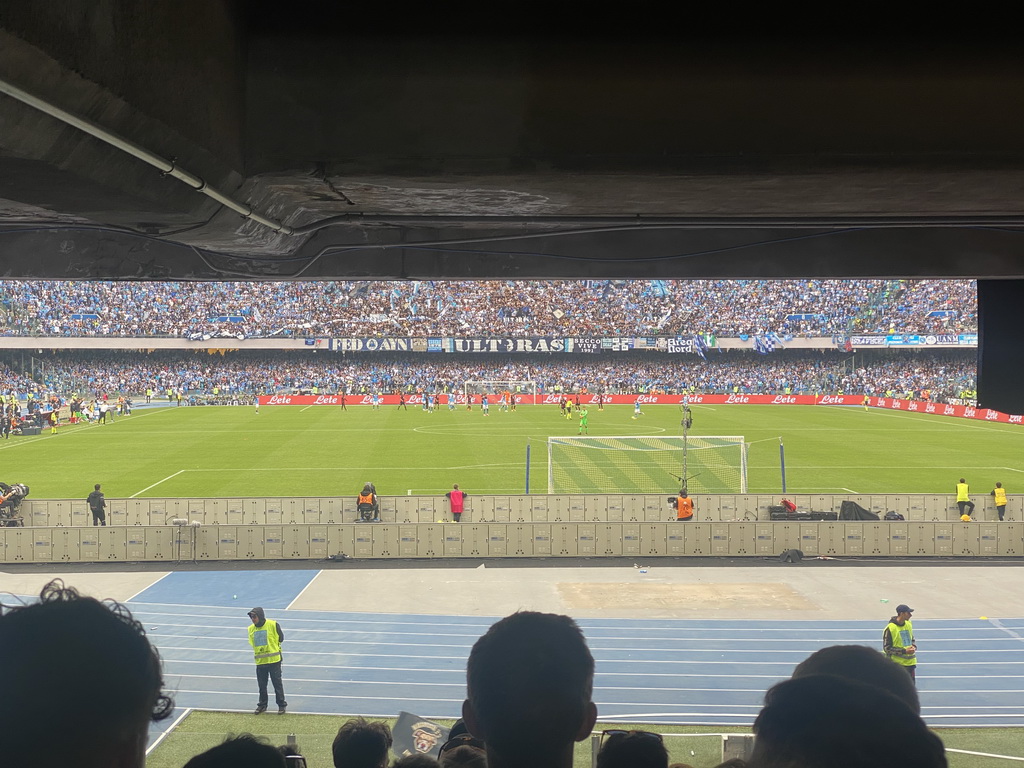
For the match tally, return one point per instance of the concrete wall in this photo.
(168, 543)
(537, 508)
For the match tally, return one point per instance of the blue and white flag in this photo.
(700, 346)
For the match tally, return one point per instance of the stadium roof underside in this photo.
(222, 140)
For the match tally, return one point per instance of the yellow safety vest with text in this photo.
(266, 645)
(902, 637)
(1000, 494)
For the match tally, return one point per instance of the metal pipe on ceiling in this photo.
(162, 164)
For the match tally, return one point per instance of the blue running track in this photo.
(656, 671)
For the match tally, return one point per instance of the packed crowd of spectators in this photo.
(944, 373)
(497, 308)
(12, 380)
(923, 306)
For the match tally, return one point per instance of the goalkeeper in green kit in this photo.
(584, 424)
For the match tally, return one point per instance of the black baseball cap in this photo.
(903, 608)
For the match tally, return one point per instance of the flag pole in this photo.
(782, 463)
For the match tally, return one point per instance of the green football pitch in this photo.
(286, 451)
(971, 747)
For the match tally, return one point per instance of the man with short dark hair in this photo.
(824, 720)
(529, 682)
(97, 505)
(863, 664)
(80, 683)
(632, 749)
(245, 750)
(361, 744)
(963, 498)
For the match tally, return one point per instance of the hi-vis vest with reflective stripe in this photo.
(901, 638)
(266, 645)
(1000, 494)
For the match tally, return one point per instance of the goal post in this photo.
(525, 390)
(647, 464)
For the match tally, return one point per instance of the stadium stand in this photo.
(503, 308)
(945, 373)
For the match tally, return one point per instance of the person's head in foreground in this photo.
(245, 751)
(862, 664)
(79, 683)
(824, 721)
(463, 749)
(362, 744)
(632, 749)
(529, 681)
(415, 761)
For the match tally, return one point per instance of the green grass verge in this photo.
(286, 451)
(314, 734)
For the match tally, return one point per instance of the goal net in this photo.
(714, 464)
(526, 391)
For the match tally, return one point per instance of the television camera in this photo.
(11, 497)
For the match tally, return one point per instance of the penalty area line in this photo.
(154, 485)
(170, 728)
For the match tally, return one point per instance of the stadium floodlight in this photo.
(526, 390)
(646, 464)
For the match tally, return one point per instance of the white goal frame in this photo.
(527, 390)
(685, 444)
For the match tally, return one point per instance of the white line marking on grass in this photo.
(67, 429)
(481, 466)
(367, 698)
(154, 485)
(442, 491)
(869, 466)
(308, 585)
(335, 469)
(807, 489)
(984, 754)
(145, 588)
(1011, 469)
(167, 732)
(957, 422)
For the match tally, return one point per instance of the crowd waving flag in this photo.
(415, 735)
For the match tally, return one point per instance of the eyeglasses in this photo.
(612, 734)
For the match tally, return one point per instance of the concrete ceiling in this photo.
(372, 150)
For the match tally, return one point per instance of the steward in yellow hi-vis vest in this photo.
(999, 494)
(265, 637)
(963, 498)
(898, 640)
